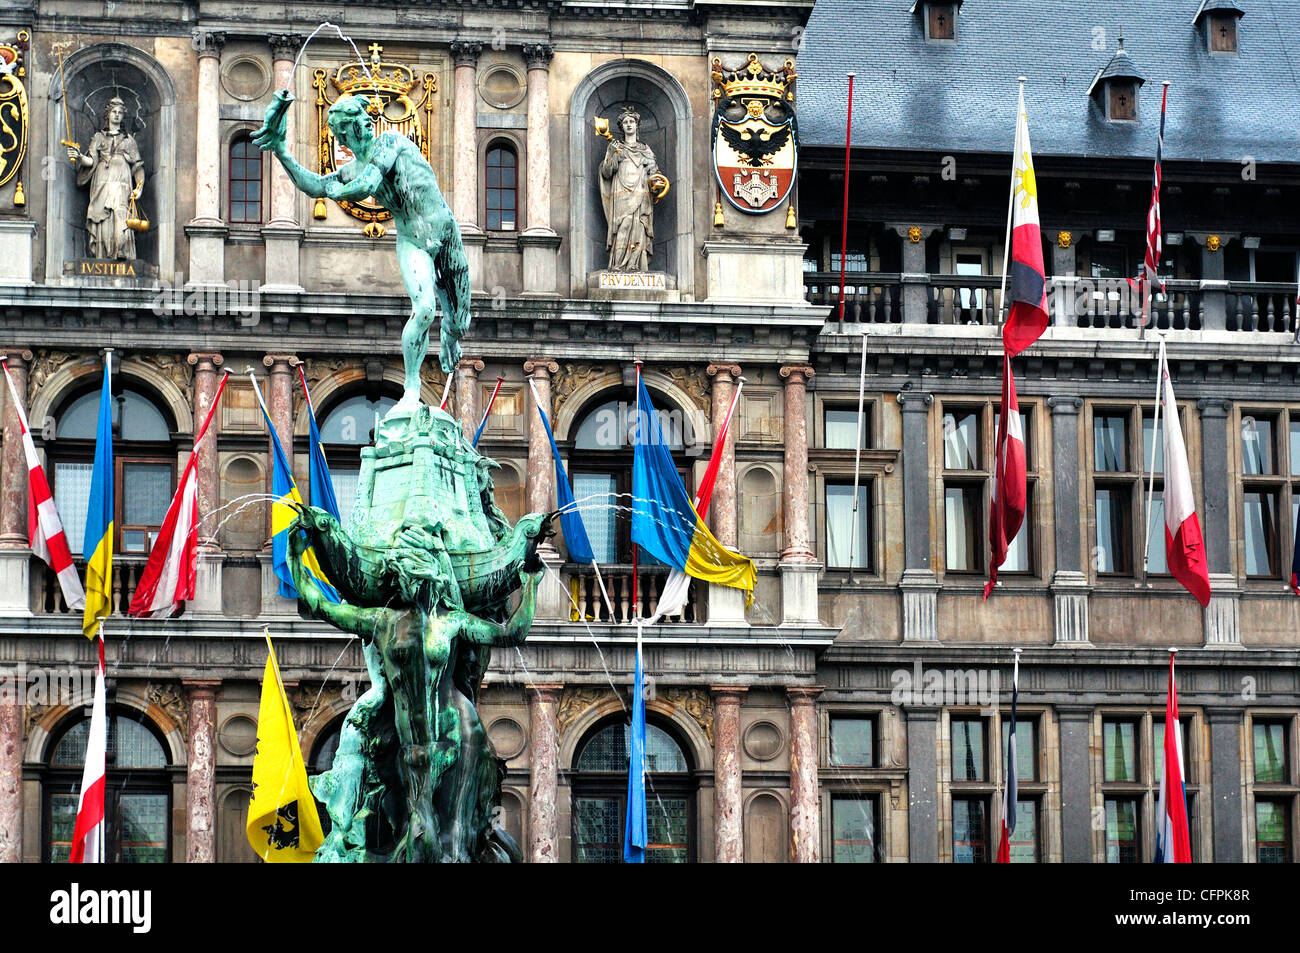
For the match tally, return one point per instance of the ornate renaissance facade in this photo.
(660, 182)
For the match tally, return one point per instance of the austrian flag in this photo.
(1026, 278)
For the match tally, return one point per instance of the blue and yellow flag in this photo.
(665, 523)
(576, 540)
(283, 488)
(97, 544)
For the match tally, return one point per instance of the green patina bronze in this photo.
(428, 564)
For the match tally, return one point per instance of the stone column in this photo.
(805, 787)
(283, 235)
(915, 279)
(279, 405)
(467, 409)
(1214, 287)
(1076, 784)
(1225, 783)
(922, 785)
(1222, 615)
(726, 605)
(1064, 268)
(543, 773)
(11, 780)
(200, 776)
(798, 570)
(207, 582)
(207, 232)
(918, 585)
(464, 157)
(552, 601)
(539, 240)
(728, 804)
(15, 556)
(1070, 586)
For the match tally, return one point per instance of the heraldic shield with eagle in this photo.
(755, 135)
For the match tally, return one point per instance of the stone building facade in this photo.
(788, 731)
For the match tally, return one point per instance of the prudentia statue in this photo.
(430, 252)
(115, 173)
(627, 198)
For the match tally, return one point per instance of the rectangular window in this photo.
(1026, 747)
(1261, 532)
(1123, 837)
(1158, 730)
(970, 834)
(72, 498)
(1114, 544)
(1157, 555)
(1295, 445)
(842, 428)
(1152, 439)
(1257, 446)
(1110, 443)
(1273, 831)
(964, 541)
(853, 824)
(1119, 750)
(969, 762)
(597, 494)
(1270, 753)
(146, 490)
(852, 741)
(840, 523)
(961, 440)
(1024, 839)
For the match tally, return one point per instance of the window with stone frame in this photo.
(1274, 783)
(1132, 763)
(244, 174)
(971, 789)
(501, 183)
(969, 465)
(855, 828)
(347, 424)
(1269, 448)
(1027, 846)
(976, 774)
(1125, 446)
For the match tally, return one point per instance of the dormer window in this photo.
(938, 19)
(1219, 20)
(1115, 87)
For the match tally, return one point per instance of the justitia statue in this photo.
(630, 184)
(115, 172)
(427, 567)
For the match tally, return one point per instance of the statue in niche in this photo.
(630, 184)
(115, 172)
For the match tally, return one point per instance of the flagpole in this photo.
(1151, 481)
(1011, 201)
(491, 400)
(636, 609)
(446, 390)
(844, 225)
(103, 823)
(857, 453)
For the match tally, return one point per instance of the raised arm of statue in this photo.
(480, 631)
(271, 138)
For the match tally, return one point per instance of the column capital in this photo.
(915, 401)
(541, 367)
(208, 42)
(284, 46)
(545, 691)
(1214, 407)
(280, 363)
(914, 232)
(803, 694)
(538, 55)
(1065, 405)
(16, 355)
(725, 373)
(198, 689)
(470, 365)
(728, 692)
(207, 360)
(797, 373)
(465, 52)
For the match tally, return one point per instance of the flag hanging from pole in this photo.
(1148, 279)
(635, 834)
(576, 540)
(1010, 790)
(88, 834)
(1010, 495)
(1173, 842)
(488, 410)
(97, 543)
(168, 578)
(44, 527)
(322, 484)
(1026, 277)
(1184, 544)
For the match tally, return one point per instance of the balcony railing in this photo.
(1080, 302)
(126, 576)
(588, 604)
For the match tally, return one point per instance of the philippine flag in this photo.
(1026, 278)
(1184, 545)
(1173, 844)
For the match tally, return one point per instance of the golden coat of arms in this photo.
(14, 119)
(755, 136)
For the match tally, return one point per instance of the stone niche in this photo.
(665, 128)
(93, 76)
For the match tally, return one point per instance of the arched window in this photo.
(344, 429)
(502, 168)
(245, 182)
(137, 793)
(599, 783)
(144, 460)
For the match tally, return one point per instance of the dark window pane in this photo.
(852, 741)
(853, 820)
(1110, 443)
(1113, 545)
(1122, 840)
(666, 831)
(1026, 747)
(142, 829)
(1153, 438)
(1119, 750)
(840, 527)
(146, 493)
(1270, 753)
(600, 831)
(351, 421)
(493, 178)
(968, 759)
(964, 541)
(1272, 832)
(969, 831)
(1261, 532)
(961, 443)
(63, 825)
(1257, 445)
(1295, 446)
(1024, 839)
(842, 429)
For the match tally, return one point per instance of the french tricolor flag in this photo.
(1026, 277)
(1184, 544)
(1173, 843)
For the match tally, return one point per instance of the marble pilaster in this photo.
(805, 788)
(282, 235)
(200, 775)
(11, 779)
(728, 803)
(539, 481)
(207, 233)
(467, 409)
(543, 773)
(15, 557)
(539, 240)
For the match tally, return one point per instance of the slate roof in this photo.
(943, 97)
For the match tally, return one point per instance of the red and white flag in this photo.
(1184, 545)
(1173, 841)
(167, 579)
(1148, 280)
(1026, 277)
(1007, 511)
(88, 835)
(44, 528)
